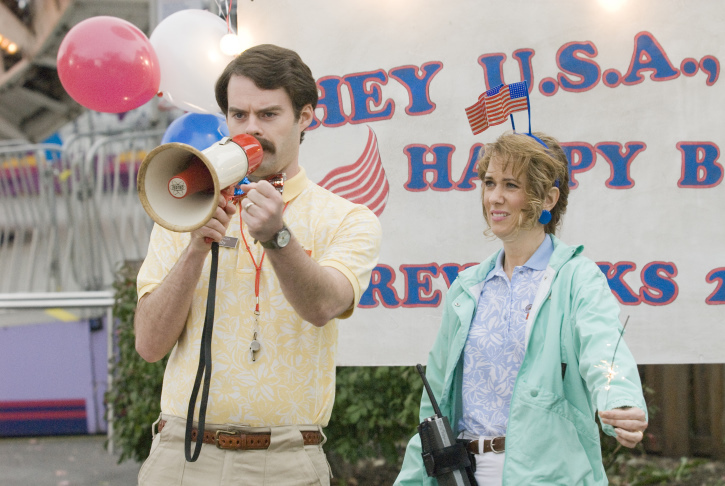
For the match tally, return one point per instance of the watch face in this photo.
(283, 237)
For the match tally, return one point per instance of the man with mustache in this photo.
(302, 259)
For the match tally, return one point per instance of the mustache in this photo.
(267, 146)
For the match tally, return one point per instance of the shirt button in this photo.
(534, 393)
(456, 304)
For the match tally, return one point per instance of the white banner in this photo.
(632, 92)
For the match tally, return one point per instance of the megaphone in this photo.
(179, 186)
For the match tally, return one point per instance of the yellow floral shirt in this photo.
(292, 380)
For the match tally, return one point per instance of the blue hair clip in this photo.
(537, 139)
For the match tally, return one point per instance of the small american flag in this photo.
(363, 182)
(495, 105)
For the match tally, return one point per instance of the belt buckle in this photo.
(493, 449)
(225, 432)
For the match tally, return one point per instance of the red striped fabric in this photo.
(363, 182)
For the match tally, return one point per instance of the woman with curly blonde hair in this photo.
(517, 364)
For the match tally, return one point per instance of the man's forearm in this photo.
(161, 315)
(318, 294)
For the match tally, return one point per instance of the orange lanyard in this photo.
(257, 268)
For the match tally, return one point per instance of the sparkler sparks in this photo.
(610, 369)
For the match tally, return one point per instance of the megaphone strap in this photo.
(204, 368)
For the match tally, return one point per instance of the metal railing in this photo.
(28, 220)
(70, 215)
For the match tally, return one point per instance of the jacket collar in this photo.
(473, 276)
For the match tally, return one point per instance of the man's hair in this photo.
(541, 167)
(271, 67)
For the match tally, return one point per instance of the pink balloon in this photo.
(108, 64)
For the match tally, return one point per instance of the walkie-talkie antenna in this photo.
(429, 391)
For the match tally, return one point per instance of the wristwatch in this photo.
(279, 240)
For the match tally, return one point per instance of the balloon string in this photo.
(222, 6)
(229, 16)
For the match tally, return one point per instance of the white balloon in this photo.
(187, 46)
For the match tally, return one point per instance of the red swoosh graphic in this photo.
(363, 182)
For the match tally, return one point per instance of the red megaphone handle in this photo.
(252, 148)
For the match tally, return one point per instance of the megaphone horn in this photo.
(179, 186)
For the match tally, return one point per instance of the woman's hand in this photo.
(628, 423)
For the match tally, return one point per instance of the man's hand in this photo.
(263, 209)
(216, 227)
(628, 423)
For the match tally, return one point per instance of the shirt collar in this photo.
(294, 185)
(538, 261)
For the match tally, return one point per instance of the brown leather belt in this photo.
(496, 445)
(236, 440)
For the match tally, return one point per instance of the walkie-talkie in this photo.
(443, 457)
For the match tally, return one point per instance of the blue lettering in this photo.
(649, 56)
(418, 166)
(418, 86)
(699, 164)
(492, 67)
(620, 289)
(418, 286)
(711, 66)
(330, 101)
(658, 288)
(619, 162)
(470, 173)
(581, 158)
(718, 296)
(587, 71)
(365, 91)
(523, 56)
(380, 290)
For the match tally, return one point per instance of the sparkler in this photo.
(610, 369)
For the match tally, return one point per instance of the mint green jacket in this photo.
(552, 437)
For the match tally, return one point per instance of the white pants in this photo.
(489, 468)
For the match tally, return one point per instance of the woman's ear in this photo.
(552, 197)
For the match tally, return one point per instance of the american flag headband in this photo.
(496, 104)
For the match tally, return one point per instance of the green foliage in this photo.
(136, 391)
(375, 412)
(636, 472)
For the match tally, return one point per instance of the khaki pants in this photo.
(287, 461)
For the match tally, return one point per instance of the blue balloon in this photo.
(53, 156)
(196, 129)
(55, 138)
